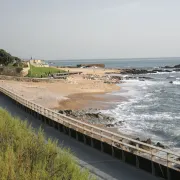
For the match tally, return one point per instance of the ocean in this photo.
(121, 63)
(151, 108)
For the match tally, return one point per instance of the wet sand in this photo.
(80, 101)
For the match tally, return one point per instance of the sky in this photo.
(90, 29)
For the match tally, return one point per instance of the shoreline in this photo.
(75, 93)
(67, 92)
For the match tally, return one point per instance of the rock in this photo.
(91, 65)
(143, 71)
(90, 115)
(177, 66)
(160, 145)
(66, 112)
(143, 77)
(168, 67)
(134, 71)
(119, 123)
(61, 112)
(109, 125)
(148, 141)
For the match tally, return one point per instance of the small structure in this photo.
(60, 75)
(91, 65)
(38, 63)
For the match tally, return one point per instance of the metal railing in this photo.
(153, 153)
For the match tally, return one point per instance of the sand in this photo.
(73, 93)
(97, 71)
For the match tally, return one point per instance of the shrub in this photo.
(19, 69)
(1, 69)
(26, 155)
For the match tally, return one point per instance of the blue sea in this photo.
(152, 107)
(121, 63)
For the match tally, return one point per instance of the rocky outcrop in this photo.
(160, 145)
(91, 115)
(91, 65)
(144, 71)
(107, 79)
(116, 124)
(177, 66)
(134, 71)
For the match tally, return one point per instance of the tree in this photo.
(6, 58)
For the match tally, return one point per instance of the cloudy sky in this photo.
(85, 29)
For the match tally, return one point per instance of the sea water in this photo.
(151, 109)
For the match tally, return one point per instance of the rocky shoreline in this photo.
(169, 69)
(93, 116)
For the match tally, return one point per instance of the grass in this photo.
(26, 155)
(42, 71)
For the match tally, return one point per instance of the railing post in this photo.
(69, 130)
(76, 133)
(137, 153)
(152, 162)
(92, 135)
(84, 133)
(102, 147)
(112, 145)
(168, 164)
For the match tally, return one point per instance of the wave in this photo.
(164, 72)
(176, 82)
(149, 110)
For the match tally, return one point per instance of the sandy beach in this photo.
(75, 92)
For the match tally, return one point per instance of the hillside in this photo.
(25, 154)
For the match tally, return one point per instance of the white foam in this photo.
(164, 72)
(176, 82)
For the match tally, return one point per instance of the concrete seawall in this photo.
(140, 162)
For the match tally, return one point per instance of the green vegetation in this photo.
(26, 155)
(42, 71)
(6, 58)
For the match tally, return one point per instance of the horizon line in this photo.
(110, 58)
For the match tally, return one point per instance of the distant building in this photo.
(38, 63)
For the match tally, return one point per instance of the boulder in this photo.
(134, 71)
(144, 77)
(177, 66)
(148, 141)
(90, 115)
(160, 145)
